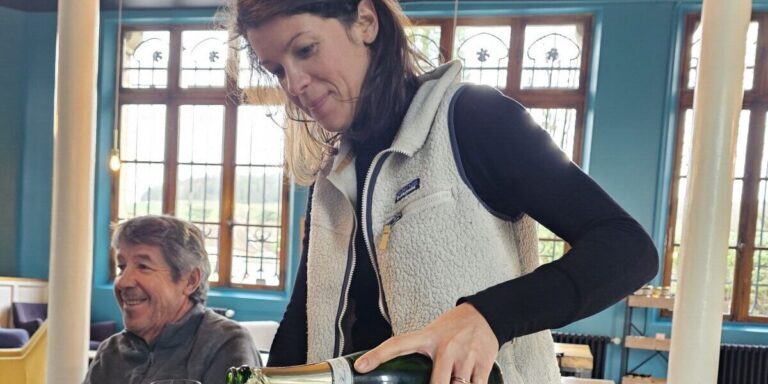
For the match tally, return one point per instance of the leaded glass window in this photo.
(203, 57)
(484, 53)
(188, 149)
(552, 56)
(758, 296)
(145, 59)
(749, 59)
(745, 296)
(142, 144)
(198, 176)
(426, 40)
(259, 187)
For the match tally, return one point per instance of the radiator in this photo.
(743, 364)
(597, 345)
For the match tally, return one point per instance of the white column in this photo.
(697, 319)
(74, 130)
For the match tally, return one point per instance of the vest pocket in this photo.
(408, 211)
(420, 204)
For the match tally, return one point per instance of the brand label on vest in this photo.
(342, 372)
(409, 188)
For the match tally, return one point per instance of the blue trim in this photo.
(187, 16)
(589, 111)
(445, 9)
(667, 147)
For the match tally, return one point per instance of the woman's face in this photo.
(319, 62)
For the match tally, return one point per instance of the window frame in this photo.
(173, 96)
(530, 97)
(756, 101)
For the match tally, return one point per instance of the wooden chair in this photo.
(28, 363)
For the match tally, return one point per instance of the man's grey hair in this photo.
(181, 242)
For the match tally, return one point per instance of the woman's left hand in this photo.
(460, 343)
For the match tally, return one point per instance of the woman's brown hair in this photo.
(386, 91)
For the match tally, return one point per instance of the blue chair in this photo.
(100, 331)
(13, 337)
(29, 316)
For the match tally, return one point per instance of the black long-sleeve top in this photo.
(515, 168)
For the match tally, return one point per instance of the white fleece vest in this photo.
(440, 242)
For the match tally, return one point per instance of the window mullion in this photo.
(226, 218)
(174, 59)
(586, 56)
(742, 279)
(515, 54)
(171, 156)
(674, 202)
(447, 33)
(761, 56)
(690, 27)
(172, 123)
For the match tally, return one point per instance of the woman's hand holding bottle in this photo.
(460, 342)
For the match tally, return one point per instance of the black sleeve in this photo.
(289, 346)
(514, 167)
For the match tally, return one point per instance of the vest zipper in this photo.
(338, 348)
(370, 182)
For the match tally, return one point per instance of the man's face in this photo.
(146, 293)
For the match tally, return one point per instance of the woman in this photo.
(419, 221)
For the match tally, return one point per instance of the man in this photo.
(161, 289)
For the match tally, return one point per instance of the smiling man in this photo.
(161, 289)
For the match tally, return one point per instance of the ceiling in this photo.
(50, 5)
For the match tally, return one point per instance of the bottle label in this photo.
(342, 372)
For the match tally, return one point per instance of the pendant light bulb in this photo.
(114, 160)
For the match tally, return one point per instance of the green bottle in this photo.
(409, 369)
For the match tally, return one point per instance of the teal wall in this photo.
(12, 91)
(631, 106)
(37, 166)
(27, 61)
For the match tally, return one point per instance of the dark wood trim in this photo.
(284, 225)
(747, 218)
(578, 143)
(761, 56)
(174, 60)
(669, 243)
(586, 54)
(691, 20)
(756, 319)
(515, 57)
(549, 98)
(228, 185)
(171, 157)
(446, 39)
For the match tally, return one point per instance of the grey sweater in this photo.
(200, 346)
